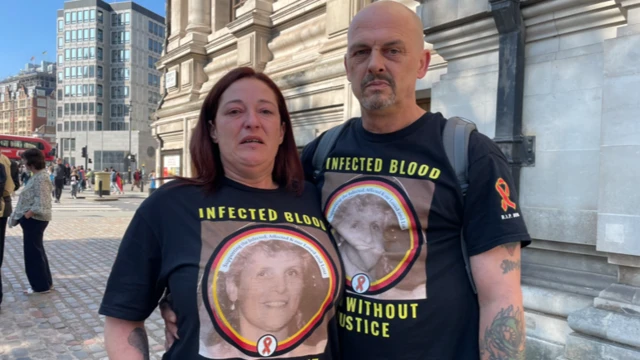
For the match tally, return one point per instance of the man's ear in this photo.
(425, 59)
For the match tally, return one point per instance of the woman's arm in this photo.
(125, 340)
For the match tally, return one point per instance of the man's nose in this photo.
(376, 62)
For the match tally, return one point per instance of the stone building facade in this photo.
(563, 71)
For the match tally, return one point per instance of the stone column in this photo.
(176, 17)
(199, 16)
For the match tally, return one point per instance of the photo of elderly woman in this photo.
(374, 230)
(262, 292)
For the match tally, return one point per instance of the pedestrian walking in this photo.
(75, 183)
(33, 213)
(119, 183)
(59, 179)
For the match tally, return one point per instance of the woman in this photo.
(74, 184)
(246, 280)
(33, 213)
(119, 183)
(152, 181)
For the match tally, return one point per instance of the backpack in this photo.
(15, 175)
(455, 138)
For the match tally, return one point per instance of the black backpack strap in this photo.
(455, 138)
(325, 144)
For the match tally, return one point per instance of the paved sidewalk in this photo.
(64, 324)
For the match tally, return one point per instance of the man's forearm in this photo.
(502, 330)
(126, 340)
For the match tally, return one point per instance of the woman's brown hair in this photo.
(206, 165)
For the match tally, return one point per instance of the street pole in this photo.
(130, 122)
(86, 159)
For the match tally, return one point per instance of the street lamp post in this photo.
(130, 122)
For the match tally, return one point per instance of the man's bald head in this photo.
(389, 11)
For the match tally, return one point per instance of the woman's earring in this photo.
(233, 306)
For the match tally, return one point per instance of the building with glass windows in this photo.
(107, 83)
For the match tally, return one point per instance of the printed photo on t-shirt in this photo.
(379, 233)
(265, 290)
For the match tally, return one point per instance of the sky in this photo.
(29, 28)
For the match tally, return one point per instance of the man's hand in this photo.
(28, 214)
(170, 324)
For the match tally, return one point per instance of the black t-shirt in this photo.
(396, 211)
(252, 272)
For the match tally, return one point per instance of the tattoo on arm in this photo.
(511, 247)
(508, 266)
(138, 339)
(505, 338)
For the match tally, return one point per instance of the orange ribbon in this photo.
(503, 190)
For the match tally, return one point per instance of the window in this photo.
(73, 35)
(67, 36)
(85, 72)
(100, 54)
(150, 44)
(73, 72)
(85, 90)
(85, 111)
(74, 54)
(66, 109)
(127, 37)
(114, 19)
(59, 112)
(91, 90)
(67, 73)
(73, 91)
(67, 54)
(100, 35)
(99, 109)
(99, 90)
(149, 79)
(86, 15)
(92, 53)
(60, 43)
(100, 16)
(126, 55)
(67, 91)
(73, 128)
(60, 76)
(66, 126)
(126, 73)
(73, 111)
(150, 26)
(86, 34)
(127, 18)
(59, 127)
(86, 53)
(67, 18)
(91, 109)
(93, 15)
(59, 94)
(80, 17)
(60, 59)
(92, 71)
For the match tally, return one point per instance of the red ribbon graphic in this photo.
(267, 343)
(503, 190)
(361, 281)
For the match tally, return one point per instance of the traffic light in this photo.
(84, 151)
(90, 162)
(133, 158)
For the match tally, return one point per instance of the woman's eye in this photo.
(233, 112)
(292, 272)
(268, 112)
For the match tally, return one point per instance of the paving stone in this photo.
(64, 324)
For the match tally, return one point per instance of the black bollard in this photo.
(100, 187)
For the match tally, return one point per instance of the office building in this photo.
(107, 82)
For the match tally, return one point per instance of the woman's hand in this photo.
(28, 214)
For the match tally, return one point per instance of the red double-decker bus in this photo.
(12, 146)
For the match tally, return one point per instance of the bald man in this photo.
(378, 318)
(419, 303)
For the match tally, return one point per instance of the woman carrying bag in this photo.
(33, 213)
